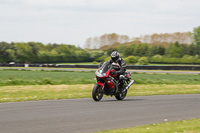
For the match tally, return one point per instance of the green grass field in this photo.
(27, 77)
(184, 126)
(25, 85)
(55, 92)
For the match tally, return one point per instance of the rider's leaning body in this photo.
(116, 60)
(120, 66)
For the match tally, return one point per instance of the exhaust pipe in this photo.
(129, 85)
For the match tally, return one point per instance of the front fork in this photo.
(101, 84)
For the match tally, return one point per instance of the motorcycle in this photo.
(111, 84)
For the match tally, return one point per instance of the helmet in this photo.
(114, 56)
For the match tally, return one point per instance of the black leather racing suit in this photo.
(120, 70)
(122, 64)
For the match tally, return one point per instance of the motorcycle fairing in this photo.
(101, 84)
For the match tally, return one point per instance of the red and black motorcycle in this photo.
(111, 84)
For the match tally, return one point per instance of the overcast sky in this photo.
(73, 21)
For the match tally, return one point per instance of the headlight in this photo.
(100, 74)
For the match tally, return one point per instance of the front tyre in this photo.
(121, 95)
(97, 93)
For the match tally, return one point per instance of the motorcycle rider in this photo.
(119, 65)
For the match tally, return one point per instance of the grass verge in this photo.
(54, 92)
(28, 77)
(184, 126)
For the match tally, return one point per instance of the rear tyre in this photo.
(97, 93)
(121, 95)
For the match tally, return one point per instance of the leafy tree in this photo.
(121, 48)
(43, 56)
(82, 56)
(176, 50)
(109, 51)
(4, 53)
(152, 51)
(36, 47)
(196, 35)
(140, 50)
(11, 56)
(161, 50)
(24, 52)
(129, 50)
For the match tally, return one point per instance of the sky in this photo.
(73, 21)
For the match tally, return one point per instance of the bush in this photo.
(126, 60)
(143, 61)
(100, 59)
(187, 60)
(94, 62)
(132, 59)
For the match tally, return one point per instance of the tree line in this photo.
(106, 39)
(33, 52)
(174, 52)
(113, 39)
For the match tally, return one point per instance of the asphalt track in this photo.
(83, 69)
(86, 115)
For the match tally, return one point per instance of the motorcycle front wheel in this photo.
(121, 95)
(97, 93)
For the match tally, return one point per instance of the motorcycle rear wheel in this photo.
(121, 95)
(97, 93)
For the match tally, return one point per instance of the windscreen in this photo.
(105, 67)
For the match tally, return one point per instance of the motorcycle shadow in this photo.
(125, 100)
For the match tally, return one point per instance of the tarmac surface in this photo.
(85, 115)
